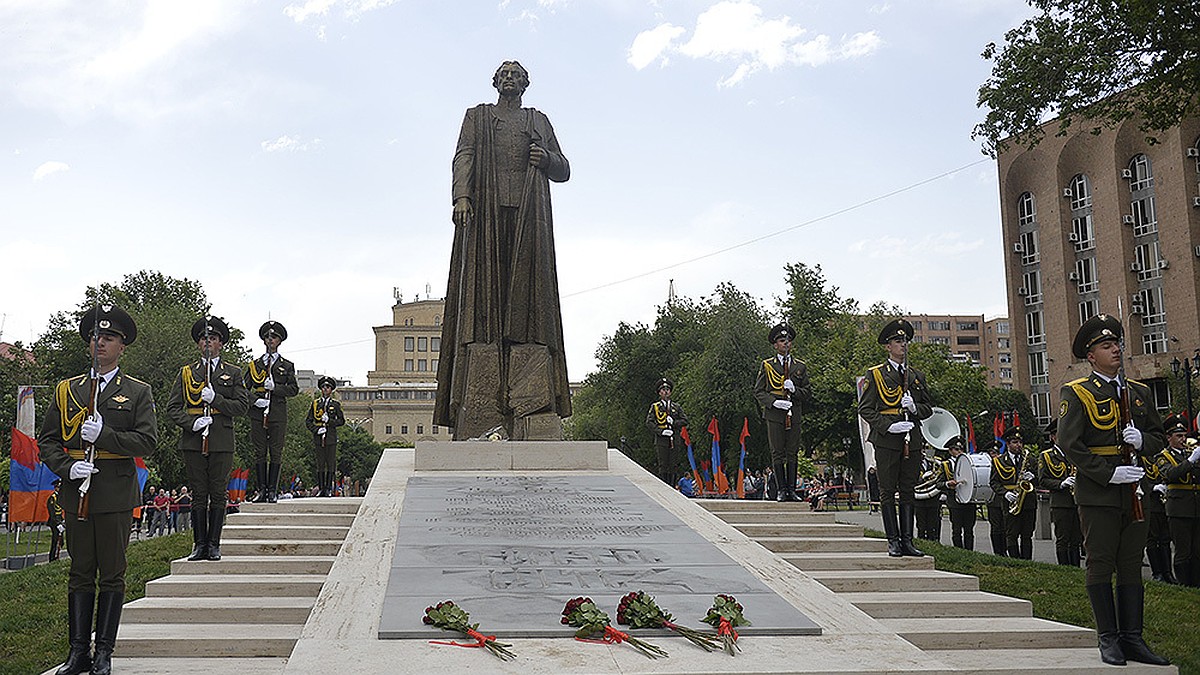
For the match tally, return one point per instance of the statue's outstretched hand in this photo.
(537, 156)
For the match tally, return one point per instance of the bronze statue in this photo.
(502, 362)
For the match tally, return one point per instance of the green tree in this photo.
(1095, 62)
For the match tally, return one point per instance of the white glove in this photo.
(1068, 482)
(201, 422)
(668, 432)
(60, 528)
(1125, 474)
(1161, 488)
(207, 393)
(907, 402)
(82, 469)
(262, 403)
(324, 417)
(320, 431)
(1011, 497)
(269, 383)
(901, 427)
(783, 404)
(670, 420)
(91, 428)
(1132, 436)
(1194, 458)
(1027, 475)
(788, 385)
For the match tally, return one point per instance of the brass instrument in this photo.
(927, 487)
(1024, 487)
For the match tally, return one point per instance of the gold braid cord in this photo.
(774, 379)
(317, 410)
(69, 422)
(1103, 421)
(1006, 474)
(192, 388)
(1056, 469)
(889, 395)
(660, 414)
(258, 376)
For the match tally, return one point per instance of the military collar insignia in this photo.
(120, 398)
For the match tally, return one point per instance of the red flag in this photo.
(1016, 419)
(970, 435)
(741, 479)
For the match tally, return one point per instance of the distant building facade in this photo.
(970, 339)
(1090, 221)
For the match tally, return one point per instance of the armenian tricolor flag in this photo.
(692, 459)
(720, 482)
(30, 481)
(741, 479)
(238, 479)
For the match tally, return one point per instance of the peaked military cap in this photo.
(324, 380)
(210, 324)
(1175, 423)
(1095, 330)
(1011, 433)
(781, 330)
(956, 442)
(895, 329)
(663, 383)
(272, 327)
(109, 320)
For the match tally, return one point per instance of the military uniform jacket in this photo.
(1089, 432)
(184, 405)
(319, 408)
(130, 430)
(656, 421)
(283, 373)
(943, 470)
(1006, 472)
(1053, 469)
(880, 406)
(1152, 502)
(1183, 482)
(768, 388)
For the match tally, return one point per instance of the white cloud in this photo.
(301, 13)
(49, 169)
(351, 9)
(287, 143)
(166, 26)
(735, 31)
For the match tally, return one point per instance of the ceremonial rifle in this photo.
(89, 452)
(1128, 453)
(207, 383)
(904, 388)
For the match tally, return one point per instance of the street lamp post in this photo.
(1187, 367)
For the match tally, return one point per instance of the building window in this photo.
(1162, 394)
(939, 325)
(1145, 220)
(387, 429)
(1004, 343)
(420, 429)
(1029, 248)
(939, 340)
(967, 340)
(1147, 261)
(1032, 287)
(1083, 233)
(433, 364)
(968, 325)
(1026, 212)
(422, 365)
(1088, 309)
(422, 344)
(1006, 357)
(1037, 368)
(409, 344)
(1154, 343)
(1085, 275)
(1041, 407)
(1143, 175)
(916, 325)
(1081, 192)
(435, 344)
(408, 365)
(408, 322)
(435, 430)
(1006, 373)
(1002, 328)
(1034, 330)
(403, 429)
(1150, 303)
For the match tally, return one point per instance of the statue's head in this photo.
(511, 74)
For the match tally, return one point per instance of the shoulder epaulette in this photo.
(130, 377)
(875, 367)
(1077, 381)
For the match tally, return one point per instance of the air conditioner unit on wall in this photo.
(1193, 152)
(1127, 174)
(1073, 238)
(1163, 264)
(1022, 291)
(1135, 267)
(1195, 201)
(1128, 220)
(1018, 247)
(1135, 309)
(1073, 276)
(1067, 193)
(1197, 250)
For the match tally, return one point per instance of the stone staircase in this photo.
(243, 613)
(942, 613)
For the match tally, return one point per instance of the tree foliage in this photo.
(1092, 62)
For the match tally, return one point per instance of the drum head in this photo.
(973, 473)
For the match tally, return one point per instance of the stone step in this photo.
(987, 632)
(766, 505)
(214, 666)
(256, 564)
(1058, 661)
(740, 517)
(308, 505)
(818, 560)
(755, 530)
(962, 604)
(238, 532)
(206, 640)
(867, 581)
(293, 519)
(235, 585)
(822, 544)
(273, 609)
(282, 547)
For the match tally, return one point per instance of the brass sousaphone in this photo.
(938, 429)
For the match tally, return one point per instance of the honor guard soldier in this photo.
(1152, 489)
(962, 516)
(1179, 465)
(205, 398)
(782, 390)
(55, 516)
(96, 424)
(1091, 432)
(1057, 475)
(271, 380)
(1012, 478)
(666, 420)
(893, 404)
(323, 419)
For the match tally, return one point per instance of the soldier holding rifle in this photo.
(1105, 421)
(665, 420)
(204, 400)
(95, 425)
(323, 419)
(1179, 464)
(271, 380)
(782, 390)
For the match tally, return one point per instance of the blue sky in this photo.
(294, 156)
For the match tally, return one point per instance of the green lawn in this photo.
(33, 617)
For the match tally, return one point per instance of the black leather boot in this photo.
(891, 528)
(1130, 599)
(272, 483)
(1160, 563)
(907, 515)
(1105, 613)
(79, 621)
(790, 467)
(779, 475)
(261, 470)
(199, 534)
(1183, 575)
(108, 619)
(216, 520)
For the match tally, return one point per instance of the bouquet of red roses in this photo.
(593, 622)
(638, 610)
(726, 614)
(449, 616)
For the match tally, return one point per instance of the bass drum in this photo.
(973, 473)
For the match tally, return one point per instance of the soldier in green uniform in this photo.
(962, 516)
(1012, 480)
(782, 391)
(1090, 432)
(205, 398)
(323, 419)
(1179, 465)
(55, 516)
(122, 426)
(271, 380)
(1153, 488)
(1057, 475)
(666, 420)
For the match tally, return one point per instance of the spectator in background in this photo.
(162, 511)
(184, 504)
(687, 486)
